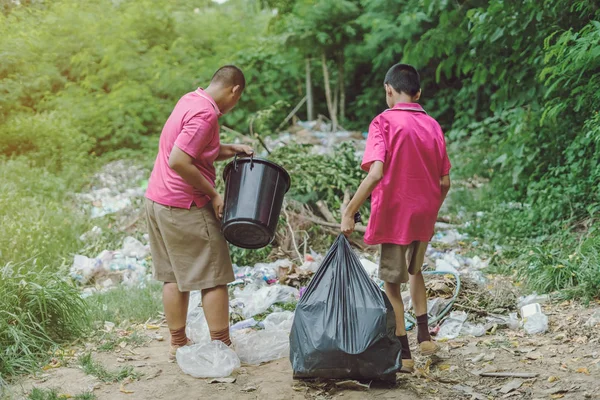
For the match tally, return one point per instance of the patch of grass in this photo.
(40, 222)
(123, 305)
(94, 368)
(38, 310)
(109, 341)
(53, 394)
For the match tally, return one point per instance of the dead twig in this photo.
(525, 375)
(324, 210)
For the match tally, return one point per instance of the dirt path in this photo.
(566, 359)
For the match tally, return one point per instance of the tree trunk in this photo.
(332, 111)
(341, 78)
(310, 104)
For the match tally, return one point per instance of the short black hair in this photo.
(404, 78)
(229, 75)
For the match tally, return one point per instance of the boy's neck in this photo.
(216, 92)
(403, 98)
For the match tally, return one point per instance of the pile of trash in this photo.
(129, 266)
(114, 189)
(317, 133)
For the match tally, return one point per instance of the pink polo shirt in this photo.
(405, 204)
(193, 127)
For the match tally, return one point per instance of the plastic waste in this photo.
(279, 320)
(256, 301)
(344, 325)
(436, 306)
(594, 319)
(530, 309)
(469, 329)
(196, 326)
(94, 233)
(134, 248)
(444, 266)
(535, 323)
(532, 298)
(245, 324)
(452, 326)
(257, 347)
(207, 360)
(370, 267)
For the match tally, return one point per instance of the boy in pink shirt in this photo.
(184, 210)
(408, 180)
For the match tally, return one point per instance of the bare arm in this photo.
(182, 163)
(227, 151)
(362, 194)
(445, 185)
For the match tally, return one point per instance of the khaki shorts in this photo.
(188, 247)
(397, 261)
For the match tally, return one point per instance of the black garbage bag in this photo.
(344, 326)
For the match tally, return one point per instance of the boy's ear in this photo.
(388, 90)
(236, 90)
(418, 95)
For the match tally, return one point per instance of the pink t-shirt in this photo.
(193, 127)
(405, 204)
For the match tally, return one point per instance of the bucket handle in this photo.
(235, 158)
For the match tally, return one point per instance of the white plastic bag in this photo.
(472, 329)
(208, 360)
(256, 347)
(197, 327)
(594, 319)
(279, 320)
(536, 323)
(258, 301)
(452, 326)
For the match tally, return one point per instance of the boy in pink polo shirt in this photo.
(408, 180)
(184, 210)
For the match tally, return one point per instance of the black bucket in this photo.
(254, 191)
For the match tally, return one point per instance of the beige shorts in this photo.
(397, 261)
(188, 247)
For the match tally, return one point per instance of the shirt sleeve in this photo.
(375, 149)
(195, 136)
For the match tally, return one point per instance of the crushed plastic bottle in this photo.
(444, 266)
(452, 326)
(207, 360)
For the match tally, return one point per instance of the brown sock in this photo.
(222, 335)
(422, 329)
(178, 337)
(405, 347)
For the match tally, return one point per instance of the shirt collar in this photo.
(200, 92)
(408, 107)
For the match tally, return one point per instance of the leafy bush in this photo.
(321, 177)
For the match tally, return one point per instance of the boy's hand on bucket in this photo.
(242, 149)
(218, 204)
(348, 225)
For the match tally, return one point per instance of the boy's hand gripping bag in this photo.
(344, 326)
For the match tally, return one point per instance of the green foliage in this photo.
(37, 310)
(321, 177)
(54, 394)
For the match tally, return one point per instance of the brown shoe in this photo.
(428, 348)
(408, 366)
